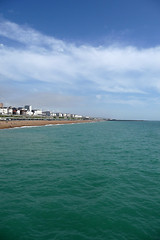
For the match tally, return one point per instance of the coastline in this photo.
(23, 123)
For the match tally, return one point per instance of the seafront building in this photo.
(3, 111)
(28, 108)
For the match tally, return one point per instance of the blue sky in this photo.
(91, 57)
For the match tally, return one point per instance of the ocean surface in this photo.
(89, 181)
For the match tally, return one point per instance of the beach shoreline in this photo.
(33, 123)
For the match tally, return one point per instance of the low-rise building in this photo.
(3, 111)
(28, 108)
(59, 114)
(77, 116)
(22, 111)
(29, 113)
(46, 113)
(14, 110)
(37, 112)
(1, 105)
(10, 111)
(18, 112)
(68, 115)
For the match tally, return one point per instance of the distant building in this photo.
(3, 111)
(46, 113)
(1, 105)
(10, 111)
(22, 112)
(77, 116)
(28, 108)
(37, 112)
(18, 112)
(59, 114)
(14, 110)
(29, 113)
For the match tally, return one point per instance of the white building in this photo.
(10, 111)
(59, 114)
(37, 112)
(3, 111)
(29, 113)
(18, 112)
(28, 108)
(77, 116)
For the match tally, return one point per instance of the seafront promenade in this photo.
(21, 123)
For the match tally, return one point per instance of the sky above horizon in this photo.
(91, 57)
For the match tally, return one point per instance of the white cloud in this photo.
(84, 69)
(27, 35)
(47, 59)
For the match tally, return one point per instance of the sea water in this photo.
(90, 181)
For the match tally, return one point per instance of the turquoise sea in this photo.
(89, 181)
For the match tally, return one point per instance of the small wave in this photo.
(25, 127)
(48, 125)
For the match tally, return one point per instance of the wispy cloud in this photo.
(27, 35)
(76, 70)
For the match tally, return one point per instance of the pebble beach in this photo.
(22, 123)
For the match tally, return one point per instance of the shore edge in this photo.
(22, 123)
